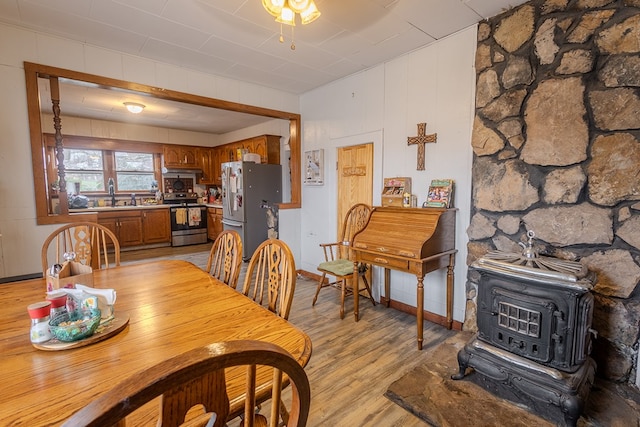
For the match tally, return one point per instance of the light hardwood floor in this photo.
(352, 364)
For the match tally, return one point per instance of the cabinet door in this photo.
(130, 231)
(206, 164)
(156, 226)
(189, 157)
(171, 154)
(111, 224)
(217, 222)
(211, 231)
(216, 165)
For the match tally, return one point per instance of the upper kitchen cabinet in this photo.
(210, 163)
(268, 146)
(180, 156)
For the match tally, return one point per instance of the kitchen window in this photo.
(89, 163)
(84, 170)
(134, 171)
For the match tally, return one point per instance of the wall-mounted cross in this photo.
(420, 140)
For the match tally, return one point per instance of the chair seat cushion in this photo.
(338, 267)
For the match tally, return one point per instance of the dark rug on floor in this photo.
(429, 393)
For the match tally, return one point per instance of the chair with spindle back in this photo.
(271, 277)
(90, 243)
(225, 258)
(270, 280)
(337, 262)
(198, 377)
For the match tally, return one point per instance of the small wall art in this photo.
(314, 167)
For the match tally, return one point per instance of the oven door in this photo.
(188, 218)
(188, 225)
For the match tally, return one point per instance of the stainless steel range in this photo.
(534, 332)
(188, 219)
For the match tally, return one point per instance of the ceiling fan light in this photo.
(298, 5)
(273, 6)
(310, 14)
(287, 17)
(134, 107)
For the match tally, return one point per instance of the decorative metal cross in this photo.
(420, 140)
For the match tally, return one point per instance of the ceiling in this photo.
(239, 39)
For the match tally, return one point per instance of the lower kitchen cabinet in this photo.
(214, 222)
(126, 225)
(156, 226)
(138, 227)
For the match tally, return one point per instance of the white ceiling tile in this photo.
(229, 41)
(138, 21)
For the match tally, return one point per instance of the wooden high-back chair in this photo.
(337, 261)
(197, 377)
(225, 258)
(90, 243)
(271, 277)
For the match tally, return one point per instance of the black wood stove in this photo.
(534, 332)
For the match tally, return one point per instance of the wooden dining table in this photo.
(172, 306)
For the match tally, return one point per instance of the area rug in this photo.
(429, 393)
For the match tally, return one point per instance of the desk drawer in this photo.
(384, 261)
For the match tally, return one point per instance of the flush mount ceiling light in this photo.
(134, 107)
(285, 13)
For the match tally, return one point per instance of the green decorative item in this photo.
(78, 325)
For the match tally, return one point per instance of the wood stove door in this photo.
(522, 324)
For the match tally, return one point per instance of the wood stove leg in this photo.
(450, 277)
(420, 313)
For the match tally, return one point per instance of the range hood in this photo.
(181, 171)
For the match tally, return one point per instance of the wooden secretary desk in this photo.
(412, 240)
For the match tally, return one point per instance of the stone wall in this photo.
(556, 144)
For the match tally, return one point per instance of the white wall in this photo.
(383, 105)
(21, 237)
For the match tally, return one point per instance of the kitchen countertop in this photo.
(120, 208)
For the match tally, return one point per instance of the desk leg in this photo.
(356, 293)
(420, 313)
(452, 261)
(387, 286)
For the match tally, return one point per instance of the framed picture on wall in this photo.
(314, 167)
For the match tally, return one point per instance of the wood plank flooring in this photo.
(352, 363)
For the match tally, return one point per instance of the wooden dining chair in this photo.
(198, 377)
(337, 260)
(271, 277)
(225, 258)
(91, 243)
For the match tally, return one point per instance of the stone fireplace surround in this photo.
(556, 144)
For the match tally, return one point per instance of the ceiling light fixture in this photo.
(285, 13)
(134, 107)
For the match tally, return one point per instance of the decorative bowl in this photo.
(78, 325)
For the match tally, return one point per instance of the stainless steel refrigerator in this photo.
(248, 190)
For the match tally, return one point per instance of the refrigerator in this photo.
(248, 190)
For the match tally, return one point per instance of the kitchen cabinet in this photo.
(210, 164)
(214, 222)
(126, 225)
(156, 226)
(268, 146)
(138, 227)
(180, 156)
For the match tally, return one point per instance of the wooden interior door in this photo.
(355, 178)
